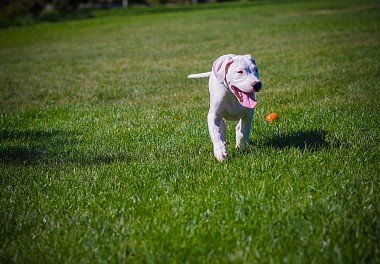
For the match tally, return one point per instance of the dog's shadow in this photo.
(310, 140)
(313, 140)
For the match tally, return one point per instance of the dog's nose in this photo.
(257, 86)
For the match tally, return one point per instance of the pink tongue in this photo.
(245, 99)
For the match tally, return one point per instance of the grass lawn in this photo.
(105, 154)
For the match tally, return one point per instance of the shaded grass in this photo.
(105, 154)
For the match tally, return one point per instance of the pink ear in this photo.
(219, 67)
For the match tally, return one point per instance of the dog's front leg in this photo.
(217, 130)
(243, 128)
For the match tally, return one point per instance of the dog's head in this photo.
(241, 75)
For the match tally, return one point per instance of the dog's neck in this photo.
(225, 85)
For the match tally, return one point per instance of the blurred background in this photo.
(24, 12)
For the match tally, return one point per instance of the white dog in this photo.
(234, 79)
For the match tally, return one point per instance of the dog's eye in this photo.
(241, 72)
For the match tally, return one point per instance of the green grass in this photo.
(105, 154)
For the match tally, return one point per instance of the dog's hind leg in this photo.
(243, 129)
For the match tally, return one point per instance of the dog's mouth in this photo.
(244, 98)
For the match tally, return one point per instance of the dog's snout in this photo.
(257, 86)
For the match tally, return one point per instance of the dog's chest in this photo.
(232, 109)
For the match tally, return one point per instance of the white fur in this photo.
(199, 75)
(224, 105)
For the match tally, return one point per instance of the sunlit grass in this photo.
(105, 154)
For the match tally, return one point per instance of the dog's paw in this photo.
(220, 153)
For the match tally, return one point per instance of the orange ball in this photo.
(271, 117)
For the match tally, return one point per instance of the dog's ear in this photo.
(219, 67)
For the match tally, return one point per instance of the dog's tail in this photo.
(199, 75)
